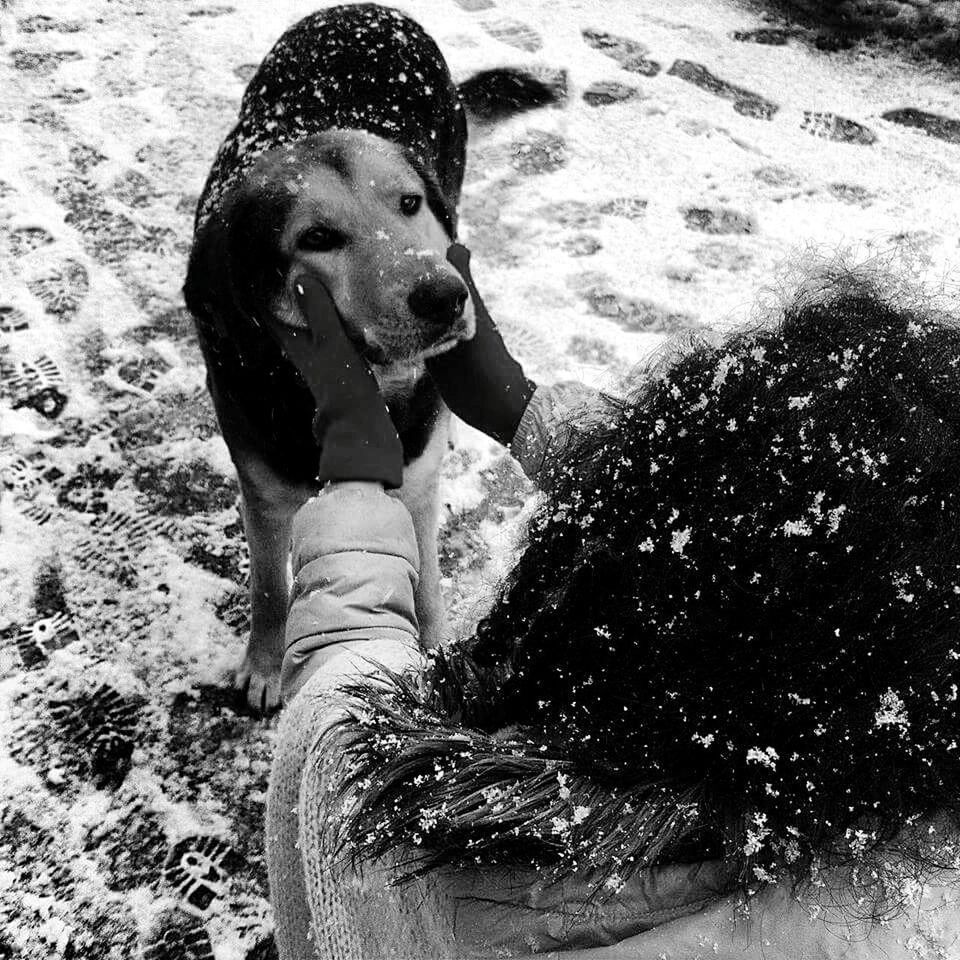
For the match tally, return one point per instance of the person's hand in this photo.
(478, 379)
(357, 438)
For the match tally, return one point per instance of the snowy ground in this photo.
(131, 786)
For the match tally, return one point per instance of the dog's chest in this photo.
(414, 404)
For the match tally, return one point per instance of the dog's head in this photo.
(349, 208)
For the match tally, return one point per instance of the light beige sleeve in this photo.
(356, 568)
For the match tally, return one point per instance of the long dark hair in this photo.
(733, 632)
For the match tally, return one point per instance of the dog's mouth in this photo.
(463, 329)
(382, 350)
(385, 350)
(371, 349)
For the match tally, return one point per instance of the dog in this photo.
(346, 163)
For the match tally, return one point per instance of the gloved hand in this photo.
(357, 438)
(478, 379)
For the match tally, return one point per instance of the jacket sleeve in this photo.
(559, 412)
(356, 568)
(553, 417)
(783, 924)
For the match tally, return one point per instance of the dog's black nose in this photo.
(440, 299)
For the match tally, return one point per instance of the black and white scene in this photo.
(480, 479)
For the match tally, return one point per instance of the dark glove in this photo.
(357, 438)
(478, 379)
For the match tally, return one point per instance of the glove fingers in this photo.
(329, 335)
(356, 383)
(297, 345)
(459, 256)
(323, 350)
(301, 346)
(317, 306)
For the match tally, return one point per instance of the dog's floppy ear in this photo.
(236, 272)
(208, 278)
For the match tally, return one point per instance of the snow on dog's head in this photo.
(346, 162)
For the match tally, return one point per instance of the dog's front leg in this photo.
(420, 494)
(269, 504)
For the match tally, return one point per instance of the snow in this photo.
(164, 82)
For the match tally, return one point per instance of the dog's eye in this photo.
(410, 203)
(320, 239)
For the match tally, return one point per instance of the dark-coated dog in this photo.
(346, 163)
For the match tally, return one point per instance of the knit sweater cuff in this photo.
(548, 422)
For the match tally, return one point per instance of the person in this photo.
(712, 711)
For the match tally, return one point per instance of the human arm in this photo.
(356, 568)
(357, 439)
(486, 387)
(355, 559)
(301, 879)
(555, 415)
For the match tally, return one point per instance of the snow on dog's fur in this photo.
(346, 163)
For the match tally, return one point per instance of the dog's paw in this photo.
(259, 682)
